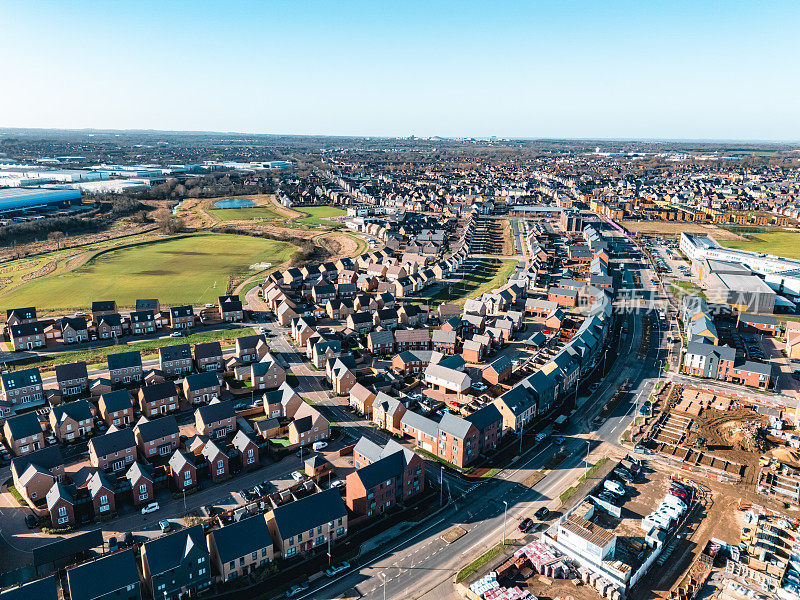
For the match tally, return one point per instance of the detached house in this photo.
(23, 434)
(116, 408)
(142, 322)
(158, 399)
(230, 309)
(183, 470)
(251, 348)
(108, 326)
(101, 491)
(35, 473)
(72, 378)
(158, 437)
(73, 330)
(175, 360)
(208, 356)
(27, 336)
(142, 480)
(22, 388)
(201, 388)
(267, 373)
(217, 459)
(247, 449)
(17, 316)
(308, 426)
(103, 307)
(215, 420)
(125, 367)
(72, 420)
(113, 451)
(181, 317)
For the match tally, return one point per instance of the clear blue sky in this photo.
(643, 69)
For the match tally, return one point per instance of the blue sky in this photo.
(640, 69)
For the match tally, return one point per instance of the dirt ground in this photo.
(676, 227)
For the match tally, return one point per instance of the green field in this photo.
(318, 214)
(779, 243)
(487, 274)
(246, 214)
(188, 270)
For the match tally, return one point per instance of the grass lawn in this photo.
(253, 213)
(192, 269)
(589, 474)
(318, 214)
(282, 442)
(487, 275)
(97, 356)
(779, 243)
(479, 562)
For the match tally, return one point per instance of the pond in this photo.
(235, 203)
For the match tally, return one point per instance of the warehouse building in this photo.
(14, 200)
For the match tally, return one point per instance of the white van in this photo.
(614, 487)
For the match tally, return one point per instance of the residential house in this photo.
(158, 437)
(115, 450)
(381, 343)
(73, 330)
(423, 430)
(158, 399)
(447, 380)
(238, 549)
(360, 322)
(22, 388)
(361, 399)
(101, 491)
(175, 360)
(176, 565)
(498, 371)
(341, 377)
(201, 388)
(110, 577)
(108, 326)
(181, 317)
(217, 459)
(393, 477)
(758, 323)
(208, 356)
(142, 322)
(142, 480)
(23, 433)
(387, 412)
(563, 296)
(103, 307)
(385, 318)
(299, 526)
(267, 374)
(474, 351)
(116, 408)
(125, 367)
(322, 351)
(251, 348)
(230, 309)
(34, 473)
(308, 426)
(182, 470)
(414, 361)
(215, 420)
(247, 450)
(72, 420)
(38, 589)
(27, 336)
(61, 505)
(72, 379)
(17, 316)
(444, 341)
(412, 339)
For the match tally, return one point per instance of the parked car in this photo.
(296, 590)
(152, 507)
(175, 334)
(319, 446)
(164, 525)
(558, 440)
(337, 483)
(239, 406)
(615, 487)
(31, 521)
(479, 386)
(297, 476)
(542, 513)
(525, 524)
(336, 569)
(607, 497)
(113, 544)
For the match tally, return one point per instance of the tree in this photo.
(169, 223)
(57, 237)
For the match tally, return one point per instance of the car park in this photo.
(525, 524)
(542, 513)
(336, 569)
(150, 508)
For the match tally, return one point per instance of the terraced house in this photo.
(176, 565)
(22, 388)
(239, 548)
(300, 526)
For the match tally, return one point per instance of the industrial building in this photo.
(25, 199)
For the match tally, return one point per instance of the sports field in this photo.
(779, 243)
(317, 214)
(186, 270)
(247, 214)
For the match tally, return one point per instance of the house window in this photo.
(187, 475)
(62, 510)
(291, 552)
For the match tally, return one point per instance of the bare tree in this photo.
(57, 237)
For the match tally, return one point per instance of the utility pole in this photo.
(588, 447)
(505, 514)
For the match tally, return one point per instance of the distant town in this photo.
(310, 367)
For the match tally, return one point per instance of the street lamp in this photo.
(505, 514)
(588, 447)
(384, 585)
(441, 485)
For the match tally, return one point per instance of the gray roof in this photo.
(113, 441)
(241, 538)
(419, 422)
(207, 350)
(170, 551)
(124, 360)
(453, 425)
(199, 381)
(159, 391)
(40, 589)
(302, 515)
(103, 576)
(117, 400)
(216, 411)
(443, 336)
(381, 337)
(157, 428)
(485, 416)
(367, 448)
(80, 410)
(175, 352)
(22, 378)
(76, 370)
(704, 349)
(47, 458)
(24, 425)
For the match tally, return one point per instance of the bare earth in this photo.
(676, 227)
